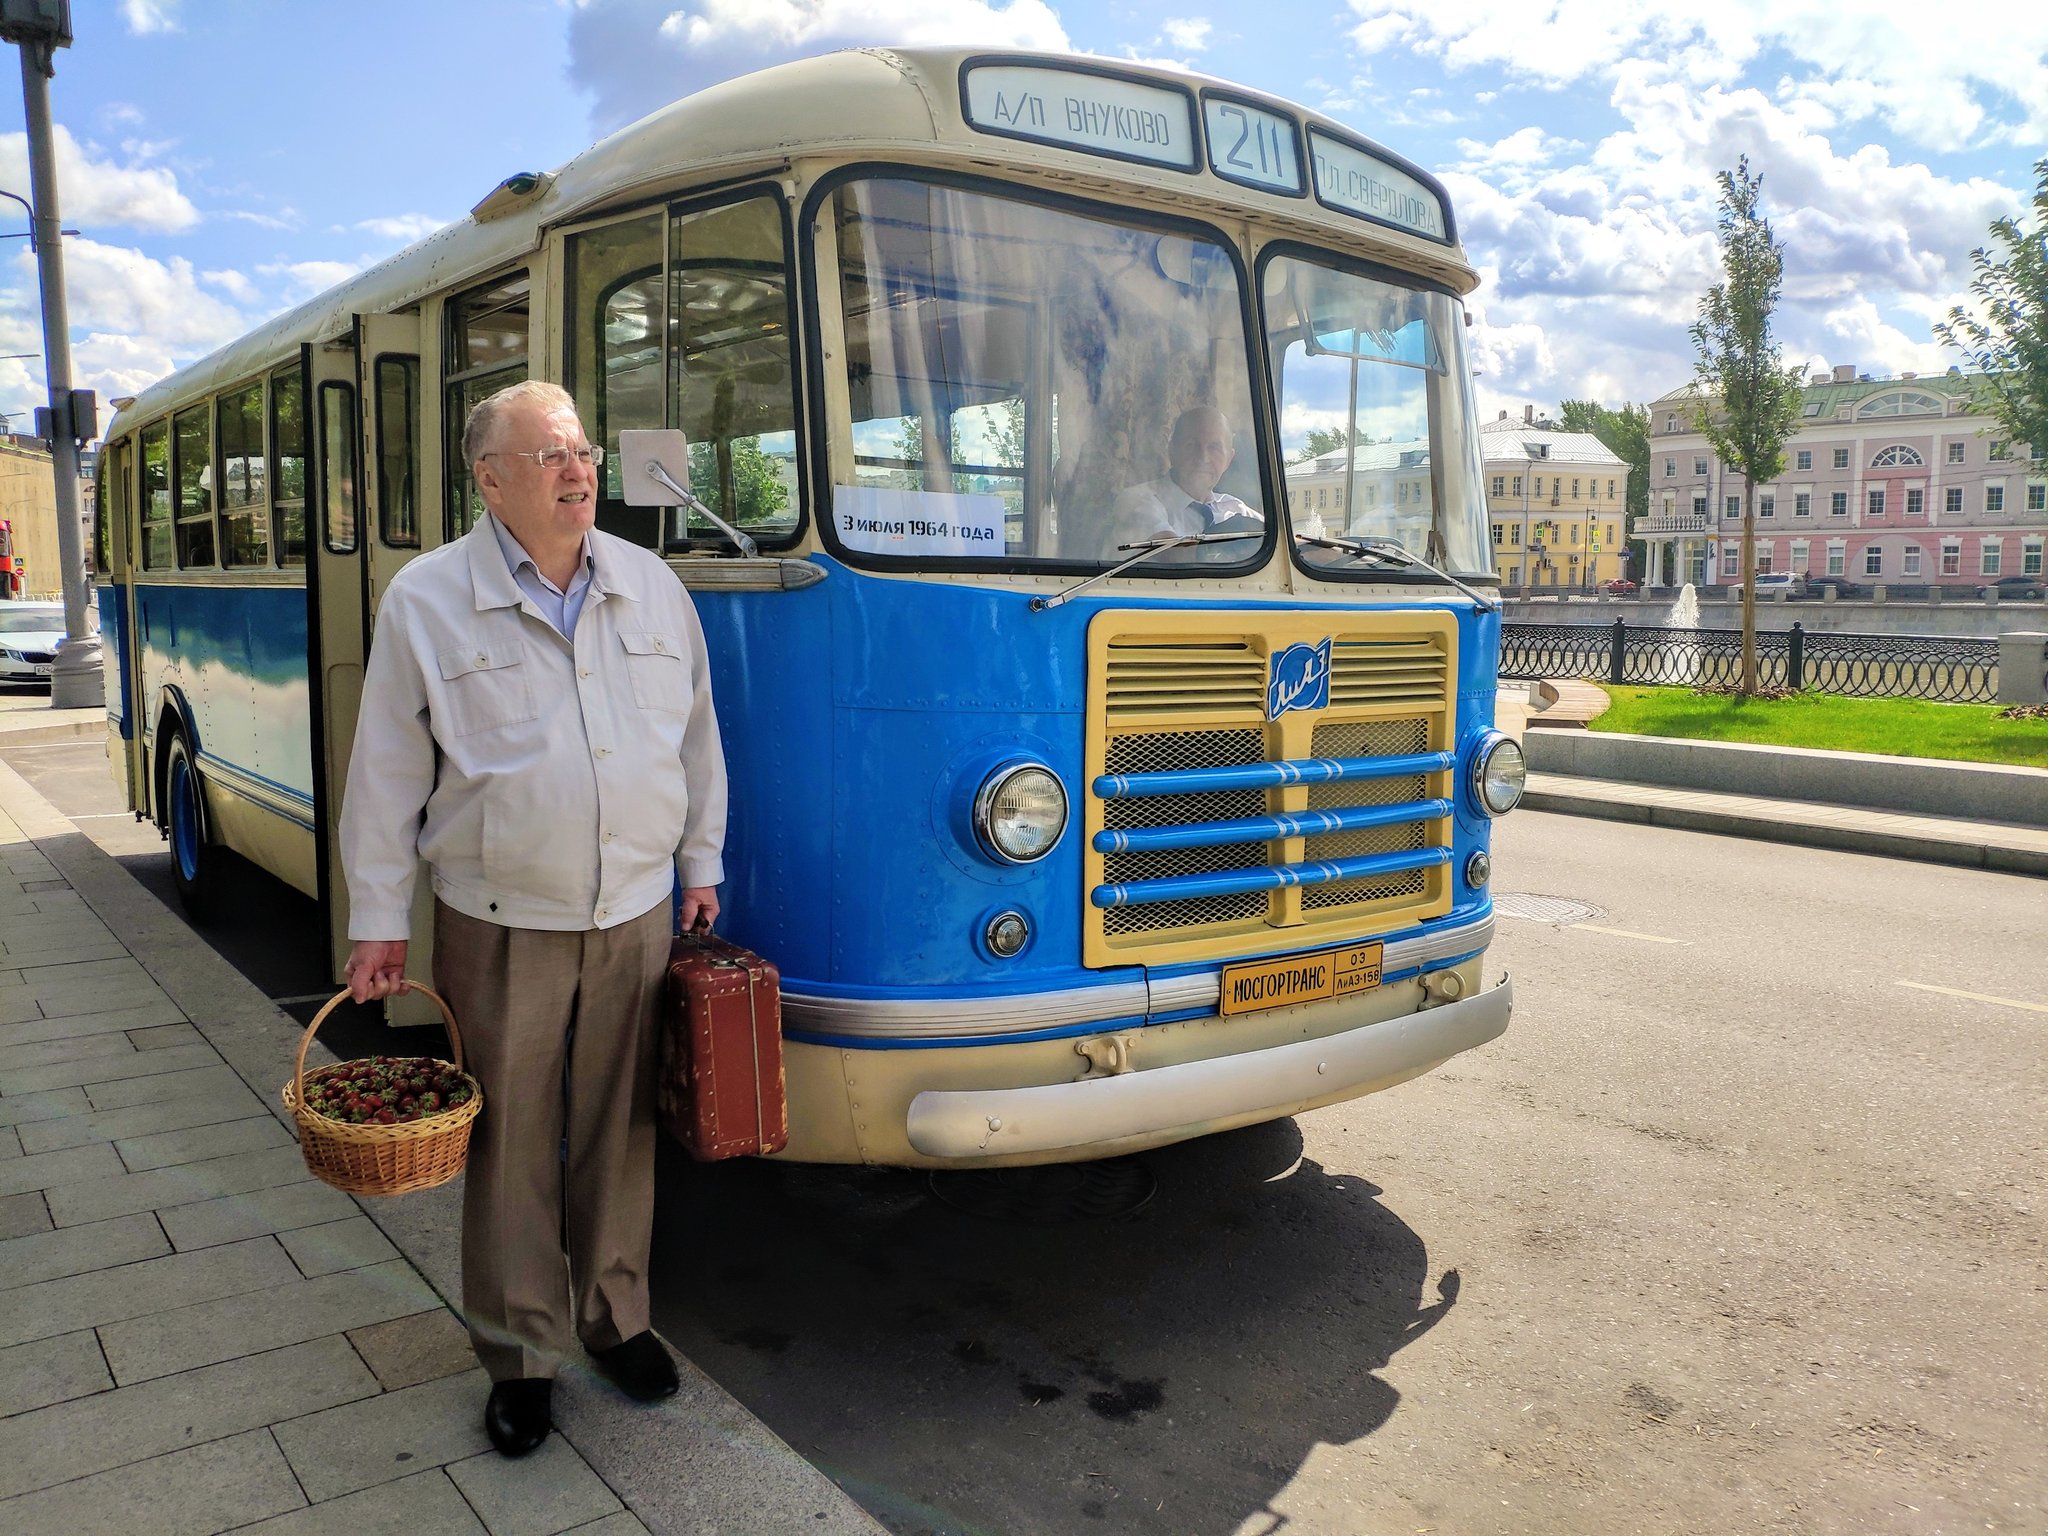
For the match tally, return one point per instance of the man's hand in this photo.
(700, 907)
(375, 968)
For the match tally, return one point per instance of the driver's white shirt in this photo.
(1161, 506)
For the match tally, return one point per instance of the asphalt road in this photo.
(1732, 1231)
(1738, 1228)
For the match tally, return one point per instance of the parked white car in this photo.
(1780, 584)
(29, 636)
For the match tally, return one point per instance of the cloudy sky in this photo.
(224, 159)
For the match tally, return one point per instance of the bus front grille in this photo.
(1215, 831)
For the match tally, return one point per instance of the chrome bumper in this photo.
(1198, 1096)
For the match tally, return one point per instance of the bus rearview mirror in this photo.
(654, 467)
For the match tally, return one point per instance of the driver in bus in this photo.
(1199, 454)
(537, 726)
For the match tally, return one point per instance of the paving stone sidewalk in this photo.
(196, 1337)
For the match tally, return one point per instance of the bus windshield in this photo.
(1376, 367)
(1033, 384)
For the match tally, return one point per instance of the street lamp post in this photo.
(39, 28)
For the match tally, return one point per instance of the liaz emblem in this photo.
(1300, 679)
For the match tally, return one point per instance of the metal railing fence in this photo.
(1949, 670)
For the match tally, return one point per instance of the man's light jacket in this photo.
(547, 783)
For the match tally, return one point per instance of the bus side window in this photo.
(192, 474)
(398, 451)
(156, 497)
(245, 519)
(725, 372)
(288, 464)
(338, 466)
(731, 376)
(486, 352)
(112, 504)
(614, 351)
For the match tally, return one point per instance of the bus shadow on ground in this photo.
(1163, 1371)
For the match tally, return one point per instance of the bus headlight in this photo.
(1498, 775)
(1020, 812)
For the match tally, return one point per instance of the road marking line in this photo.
(1976, 997)
(1624, 933)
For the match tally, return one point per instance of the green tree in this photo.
(756, 490)
(1626, 434)
(1748, 399)
(1322, 440)
(2007, 339)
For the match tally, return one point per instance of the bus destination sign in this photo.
(1349, 179)
(1098, 113)
(1252, 146)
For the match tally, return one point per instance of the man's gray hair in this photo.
(1188, 419)
(480, 432)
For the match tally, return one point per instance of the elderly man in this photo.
(1198, 455)
(537, 726)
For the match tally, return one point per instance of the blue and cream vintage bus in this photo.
(1074, 829)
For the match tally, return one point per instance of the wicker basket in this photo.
(381, 1159)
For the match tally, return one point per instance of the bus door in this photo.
(339, 623)
(395, 499)
(364, 532)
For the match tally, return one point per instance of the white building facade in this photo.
(1893, 481)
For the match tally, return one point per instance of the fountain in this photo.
(1685, 614)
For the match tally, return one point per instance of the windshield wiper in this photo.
(1390, 553)
(1145, 551)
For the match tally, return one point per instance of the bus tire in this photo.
(195, 863)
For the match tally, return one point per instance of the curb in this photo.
(1994, 794)
(1599, 800)
(698, 1461)
(61, 730)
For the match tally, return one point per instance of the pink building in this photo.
(1892, 480)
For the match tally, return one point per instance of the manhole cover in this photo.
(1544, 909)
(1048, 1196)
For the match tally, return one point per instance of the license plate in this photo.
(42, 669)
(1311, 978)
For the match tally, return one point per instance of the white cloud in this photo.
(1937, 79)
(1595, 258)
(235, 285)
(98, 192)
(284, 218)
(1525, 147)
(147, 149)
(636, 55)
(134, 318)
(147, 16)
(1190, 34)
(404, 228)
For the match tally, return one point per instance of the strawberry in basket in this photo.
(386, 1090)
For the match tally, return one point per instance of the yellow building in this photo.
(1558, 503)
(28, 506)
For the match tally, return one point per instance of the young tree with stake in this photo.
(1749, 398)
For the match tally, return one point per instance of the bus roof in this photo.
(909, 109)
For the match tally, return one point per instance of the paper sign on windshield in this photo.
(881, 520)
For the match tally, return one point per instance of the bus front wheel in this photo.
(194, 863)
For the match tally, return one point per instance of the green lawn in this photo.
(1897, 727)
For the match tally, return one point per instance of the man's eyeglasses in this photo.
(553, 458)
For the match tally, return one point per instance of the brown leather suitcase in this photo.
(721, 1089)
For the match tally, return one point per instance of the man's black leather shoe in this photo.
(640, 1366)
(518, 1416)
